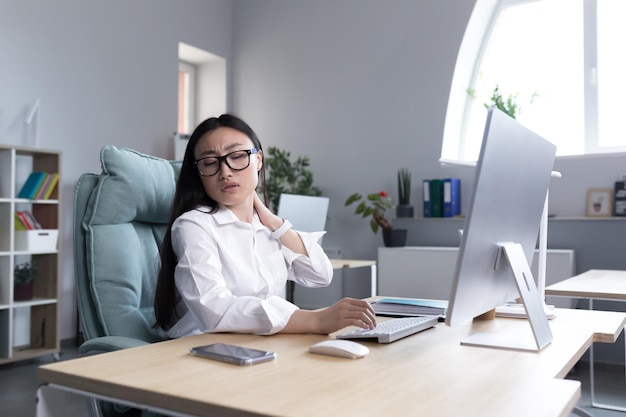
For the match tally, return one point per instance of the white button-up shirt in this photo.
(231, 275)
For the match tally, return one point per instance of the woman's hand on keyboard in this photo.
(345, 312)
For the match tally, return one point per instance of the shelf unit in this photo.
(28, 329)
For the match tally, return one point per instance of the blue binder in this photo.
(451, 197)
(426, 197)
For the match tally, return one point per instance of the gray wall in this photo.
(106, 73)
(360, 86)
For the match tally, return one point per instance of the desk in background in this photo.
(428, 272)
(595, 284)
(314, 298)
(429, 373)
(357, 263)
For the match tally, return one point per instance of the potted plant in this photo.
(287, 176)
(375, 205)
(404, 208)
(508, 105)
(23, 277)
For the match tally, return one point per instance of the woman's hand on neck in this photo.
(268, 218)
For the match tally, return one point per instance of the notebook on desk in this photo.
(410, 307)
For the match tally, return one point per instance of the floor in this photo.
(18, 386)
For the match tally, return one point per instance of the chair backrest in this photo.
(120, 218)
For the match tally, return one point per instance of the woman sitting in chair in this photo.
(226, 257)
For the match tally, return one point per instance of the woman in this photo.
(226, 257)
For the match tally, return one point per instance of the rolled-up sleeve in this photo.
(314, 270)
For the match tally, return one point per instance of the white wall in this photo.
(106, 73)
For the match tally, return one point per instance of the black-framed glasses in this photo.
(237, 161)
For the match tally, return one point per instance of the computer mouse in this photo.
(340, 348)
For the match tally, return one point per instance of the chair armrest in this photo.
(108, 344)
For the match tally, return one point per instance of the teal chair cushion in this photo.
(124, 221)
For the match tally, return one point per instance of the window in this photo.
(186, 97)
(560, 60)
(201, 91)
(201, 86)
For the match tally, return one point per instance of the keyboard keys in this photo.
(393, 329)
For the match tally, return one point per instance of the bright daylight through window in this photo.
(562, 63)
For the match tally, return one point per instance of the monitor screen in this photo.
(306, 213)
(511, 183)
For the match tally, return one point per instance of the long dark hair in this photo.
(189, 195)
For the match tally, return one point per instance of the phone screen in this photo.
(233, 354)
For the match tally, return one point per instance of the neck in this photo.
(243, 210)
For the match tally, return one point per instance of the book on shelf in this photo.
(39, 186)
(24, 220)
(32, 184)
(407, 307)
(47, 186)
(19, 223)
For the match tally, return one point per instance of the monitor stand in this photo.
(516, 310)
(541, 334)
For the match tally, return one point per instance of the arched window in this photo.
(559, 62)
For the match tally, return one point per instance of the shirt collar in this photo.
(224, 215)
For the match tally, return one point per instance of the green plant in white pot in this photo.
(404, 207)
(23, 279)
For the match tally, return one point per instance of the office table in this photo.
(595, 284)
(359, 263)
(429, 373)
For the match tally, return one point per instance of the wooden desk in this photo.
(426, 374)
(599, 284)
(595, 284)
(357, 263)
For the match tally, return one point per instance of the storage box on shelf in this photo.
(29, 328)
(40, 240)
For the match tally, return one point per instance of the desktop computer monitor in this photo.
(511, 183)
(306, 213)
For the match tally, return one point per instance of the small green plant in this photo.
(380, 202)
(508, 106)
(404, 186)
(24, 273)
(285, 176)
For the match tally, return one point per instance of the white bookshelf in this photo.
(30, 328)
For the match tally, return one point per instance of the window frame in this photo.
(469, 61)
(189, 95)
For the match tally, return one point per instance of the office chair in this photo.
(120, 218)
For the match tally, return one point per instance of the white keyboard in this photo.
(393, 329)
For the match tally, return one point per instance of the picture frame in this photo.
(599, 202)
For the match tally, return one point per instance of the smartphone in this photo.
(233, 354)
